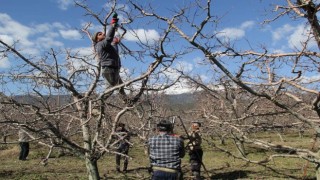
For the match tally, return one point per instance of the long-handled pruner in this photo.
(121, 36)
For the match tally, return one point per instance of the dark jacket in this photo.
(195, 140)
(122, 139)
(107, 53)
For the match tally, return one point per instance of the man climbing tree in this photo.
(107, 51)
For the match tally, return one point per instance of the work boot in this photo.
(196, 175)
(125, 165)
(118, 168)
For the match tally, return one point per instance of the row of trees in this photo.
(263, 91)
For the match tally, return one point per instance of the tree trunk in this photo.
(92, 169)
(311, 10)
(240, 147)
(90, 160)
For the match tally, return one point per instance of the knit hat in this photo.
(121, 125)
(164, 125)
(94, 36)
(196, 125)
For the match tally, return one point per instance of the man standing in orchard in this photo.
(165, 152)
(122, 137)
(24, 139)
(195, 150)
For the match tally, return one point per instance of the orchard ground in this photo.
(220, 165)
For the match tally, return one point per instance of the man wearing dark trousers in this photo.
(122, 138)
(195, 150)
(24, 144)
(107, 51)
(165, 152)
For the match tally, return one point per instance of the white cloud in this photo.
(64, 4)
(231, 33)
(7, 39)
(30, 51)
(41, 28)
(282, 32)
(70, 34)
(295, 36)
(36, 37)
(184, 66)
(204, 78)
(58, 25)
(14, 30)
(124, 7)
(143, 35)
(278, 51)
(235, 33)
(10, 27)
(296, 39)
(48, 42)
(82, 51)
(4, 62)
(247, 25)
(308, 79)
(299, 36)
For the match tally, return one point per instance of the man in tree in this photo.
(165, 152)
(122, 138)
(195, 150)
(107, 51)
(24, 139)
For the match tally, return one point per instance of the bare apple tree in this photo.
(249, 89)
(255, 88)
(60, 103)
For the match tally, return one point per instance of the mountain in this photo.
(180, 101)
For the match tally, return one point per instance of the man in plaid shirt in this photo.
(166, 151)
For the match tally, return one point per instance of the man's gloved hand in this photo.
(115, 15)
(190, 146)
(114, 19)
(116, 40)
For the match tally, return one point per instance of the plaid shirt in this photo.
(166, 151)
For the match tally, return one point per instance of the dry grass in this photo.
(219, 164)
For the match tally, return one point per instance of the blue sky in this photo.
(43, 24)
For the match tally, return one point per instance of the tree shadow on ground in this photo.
(231, 175)
(241, 174)
(5, 174)
(140, 173)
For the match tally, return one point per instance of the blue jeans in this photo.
(161, 175)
